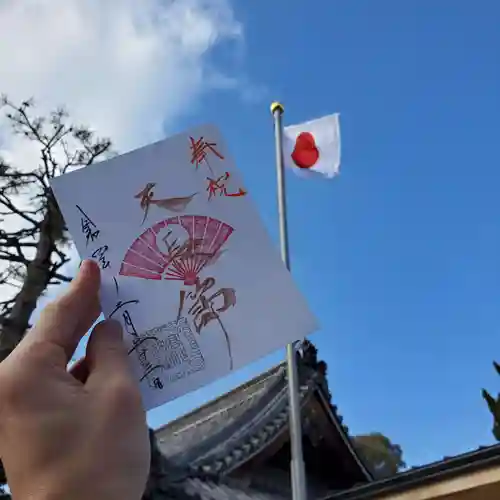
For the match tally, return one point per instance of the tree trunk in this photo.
(37, 278)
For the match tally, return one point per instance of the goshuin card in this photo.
(187, 266)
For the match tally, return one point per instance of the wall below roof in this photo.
(471, 480)
(478, 485)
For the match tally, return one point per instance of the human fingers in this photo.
(106, 355)
(66, 320)
(79, 370)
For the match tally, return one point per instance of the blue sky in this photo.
(399, 256)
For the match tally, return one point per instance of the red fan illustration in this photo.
(176, 249)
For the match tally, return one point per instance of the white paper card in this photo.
(187, 266)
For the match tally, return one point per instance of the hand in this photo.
(72, 435)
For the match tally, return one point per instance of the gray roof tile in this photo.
(207, 490)
(181, 435)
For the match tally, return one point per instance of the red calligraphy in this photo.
(218, 187)
(177, 204)
(203, 308)
(200, 149)
(146, 195)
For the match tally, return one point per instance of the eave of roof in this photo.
(345, 438)
(260, 432)
(437, 471)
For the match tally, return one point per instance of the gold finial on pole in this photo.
(277, 106)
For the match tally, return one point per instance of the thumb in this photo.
(66, 320)
(106, 354)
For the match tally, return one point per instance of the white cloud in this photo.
(127, 68)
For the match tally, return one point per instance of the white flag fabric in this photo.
(313, 147)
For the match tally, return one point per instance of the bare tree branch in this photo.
(11, 257)
(9, 241)
(22, 175)
(7, 203)
(20, 119)
(36, 248)
(61, 279)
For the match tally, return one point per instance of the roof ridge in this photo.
(268, 373)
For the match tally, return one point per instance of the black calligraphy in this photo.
(157, 383)
(92, 234)
(100, 255)
(89, 229)
(141, 345)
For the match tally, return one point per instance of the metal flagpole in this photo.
(297, 464)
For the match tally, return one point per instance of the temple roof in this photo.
(218, 437)
(204, 453)
(208, 490)
(200, 450)
(169, 482)
(192, 435)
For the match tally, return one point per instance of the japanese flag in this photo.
(313, 147)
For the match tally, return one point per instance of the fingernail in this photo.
(83, 263)
(87, 263)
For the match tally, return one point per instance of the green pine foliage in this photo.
(494, 406)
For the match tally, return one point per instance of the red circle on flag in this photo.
(305, 153)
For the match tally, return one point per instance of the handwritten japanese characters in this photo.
(89, 229)
(219, 187)
(177, 204)
(91, 233)
(200, 150)
(203, 308)
(188, 268)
